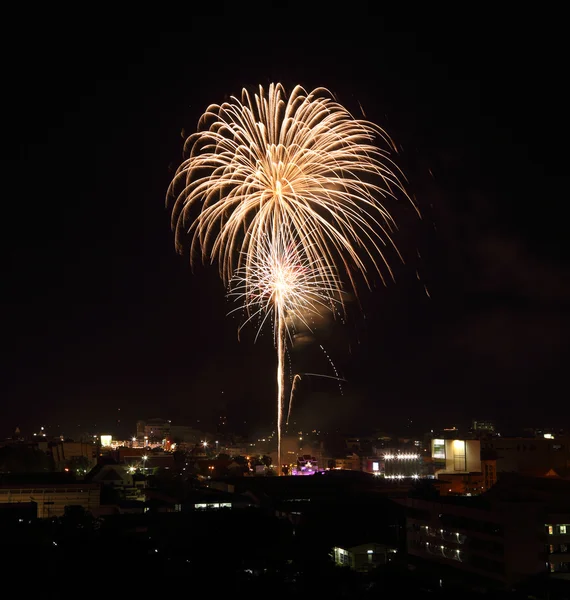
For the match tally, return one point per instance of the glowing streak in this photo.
(280, 383)
(293, 386)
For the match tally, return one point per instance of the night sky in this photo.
(100, 313)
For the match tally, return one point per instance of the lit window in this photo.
(550, 529)
(562, 528)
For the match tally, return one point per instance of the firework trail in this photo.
(279, 283)
(298, 377)
(270, 174)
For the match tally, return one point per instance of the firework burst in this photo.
(284, 192)
(281, 280)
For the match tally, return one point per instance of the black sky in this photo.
(99, 312)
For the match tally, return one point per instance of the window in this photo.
(438, 449)
(550, 529)
(459, 459)
(563, 528)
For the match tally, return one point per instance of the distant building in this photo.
(359, 444)
(529, 455)
(458, 466)
(113, 475)
(153, 430)
(456, 455)
(120, 478)
(482, 428)
(348, 463)
(65, 453)
(291, 449)
(234, 449)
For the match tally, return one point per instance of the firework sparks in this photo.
(280, 280)
(284, 192)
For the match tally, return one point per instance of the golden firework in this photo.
(285, 192)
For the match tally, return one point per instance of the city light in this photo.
(401, 457)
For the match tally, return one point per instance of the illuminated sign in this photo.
(106, 440)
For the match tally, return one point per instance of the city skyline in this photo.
(101, 314)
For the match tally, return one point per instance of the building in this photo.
(362, 558)
(482, 428)
(359, 444)
(130, 484)
(112, 475)
(489, 470)
(291, 449)
(558, 542)
(153, 430)
(470, 483)
(234, 450)
(513, 532)
(348, 463)
(457, 464)
(456, 455)
(52, 497)
(529, 455)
